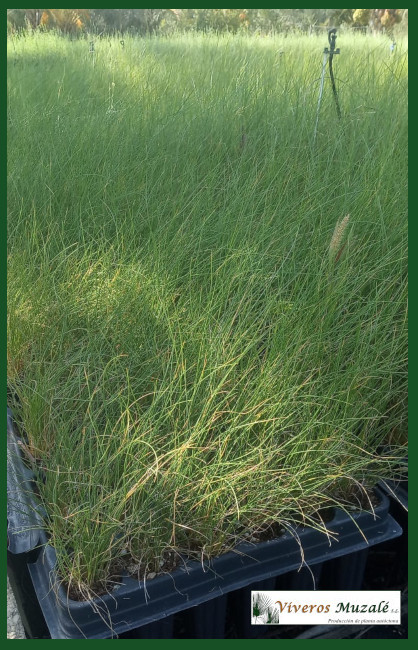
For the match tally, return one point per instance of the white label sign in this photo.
(326, 607)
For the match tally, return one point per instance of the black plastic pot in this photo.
(398, 495)
(199, 591)
(24, 517)
(24, 524)
(25, 595)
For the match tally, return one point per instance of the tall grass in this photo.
(192, 354)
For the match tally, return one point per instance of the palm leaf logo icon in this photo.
(263, 610)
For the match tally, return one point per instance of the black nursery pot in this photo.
(24, 528)
(133, 604)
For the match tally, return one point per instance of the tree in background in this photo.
(362, 17)
(16, 19)
(378, 19)
(341, 16)
(389, 17)
(68, 21)
(219, 20)
(153, 21)
(21, 18)
(142, 21)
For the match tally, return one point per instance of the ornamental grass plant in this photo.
(201, 341)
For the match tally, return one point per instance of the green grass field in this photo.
(199, 342)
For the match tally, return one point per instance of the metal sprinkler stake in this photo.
(332, 35)
(328, 53)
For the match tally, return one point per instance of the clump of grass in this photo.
(182, 360)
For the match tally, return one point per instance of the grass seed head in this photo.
(338, 235)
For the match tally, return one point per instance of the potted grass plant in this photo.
(206, 353)
(135, 597)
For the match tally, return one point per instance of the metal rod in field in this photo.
(328, 56)
(332, 35)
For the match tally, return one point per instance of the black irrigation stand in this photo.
(332, 35)
(328, 58)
